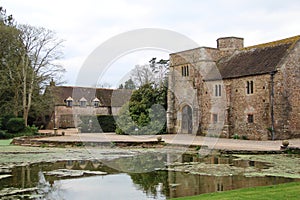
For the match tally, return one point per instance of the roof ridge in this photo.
(290, 40)
(83, 87)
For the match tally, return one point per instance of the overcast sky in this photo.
(84, 25)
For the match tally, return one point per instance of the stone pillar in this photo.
(170, 99)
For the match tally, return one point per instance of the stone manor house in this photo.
(72, 102)
(251, 92)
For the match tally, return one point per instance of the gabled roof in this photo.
(96, 100)
(255, 60)
(106, 97)
(83, 99)
(69, 99)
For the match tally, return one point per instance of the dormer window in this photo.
(82, 102)
(69, 102)
(96, 102)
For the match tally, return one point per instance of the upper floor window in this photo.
(96, 102)
(218, 90)
(185, 71)
(82, 102)
(250, 87)
(69, 102)
(250, 118)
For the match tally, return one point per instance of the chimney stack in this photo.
(230, 43)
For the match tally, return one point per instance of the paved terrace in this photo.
(179, 139)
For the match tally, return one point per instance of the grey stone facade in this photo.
(252, 92)
(72, 102)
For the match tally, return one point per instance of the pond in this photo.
(137, 177)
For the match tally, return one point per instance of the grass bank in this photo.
(5, 142)
(288, 191)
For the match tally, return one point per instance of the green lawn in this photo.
(5, 142)
(288, 191)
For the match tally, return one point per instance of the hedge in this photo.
(15, 125)
(97, 124)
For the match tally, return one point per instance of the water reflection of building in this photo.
(169, 183)
(83, 164)
(27, 176)
(186, 184)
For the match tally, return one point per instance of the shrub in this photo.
(97, 124)
(244, 137)
(4, 120)
(3, 134)
(107, 123)
(89, 124)
(236, 136)
(15, 125)
(156, 125)
(31, 130)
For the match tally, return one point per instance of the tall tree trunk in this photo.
(24, 96)
(29, 100)
(16, 102)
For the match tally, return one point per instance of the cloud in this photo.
(86, 24)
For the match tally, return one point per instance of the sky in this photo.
(85, 25)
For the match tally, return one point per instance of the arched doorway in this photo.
(187, 120)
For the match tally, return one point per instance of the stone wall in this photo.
(212, 109)
(256, 104)
(287, 96)
(233, 107)
(230, 113)
(67, 117)
(184, 90)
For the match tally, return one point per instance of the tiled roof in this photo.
(107, 97)
(255, 60)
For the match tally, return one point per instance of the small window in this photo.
(185, 71)
(82, 102)
(250, 118)
(249, 87)
(69, 102)
(215, 118)
(218, 89)
(96, 102)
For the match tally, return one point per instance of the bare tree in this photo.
(104, 85)
(142, 75)
(41, 51)
(160, 69)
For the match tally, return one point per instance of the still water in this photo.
(95, 179)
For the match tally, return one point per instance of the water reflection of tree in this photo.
(141, 163)
(152, 183)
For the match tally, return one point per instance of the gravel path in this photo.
(181, 139)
